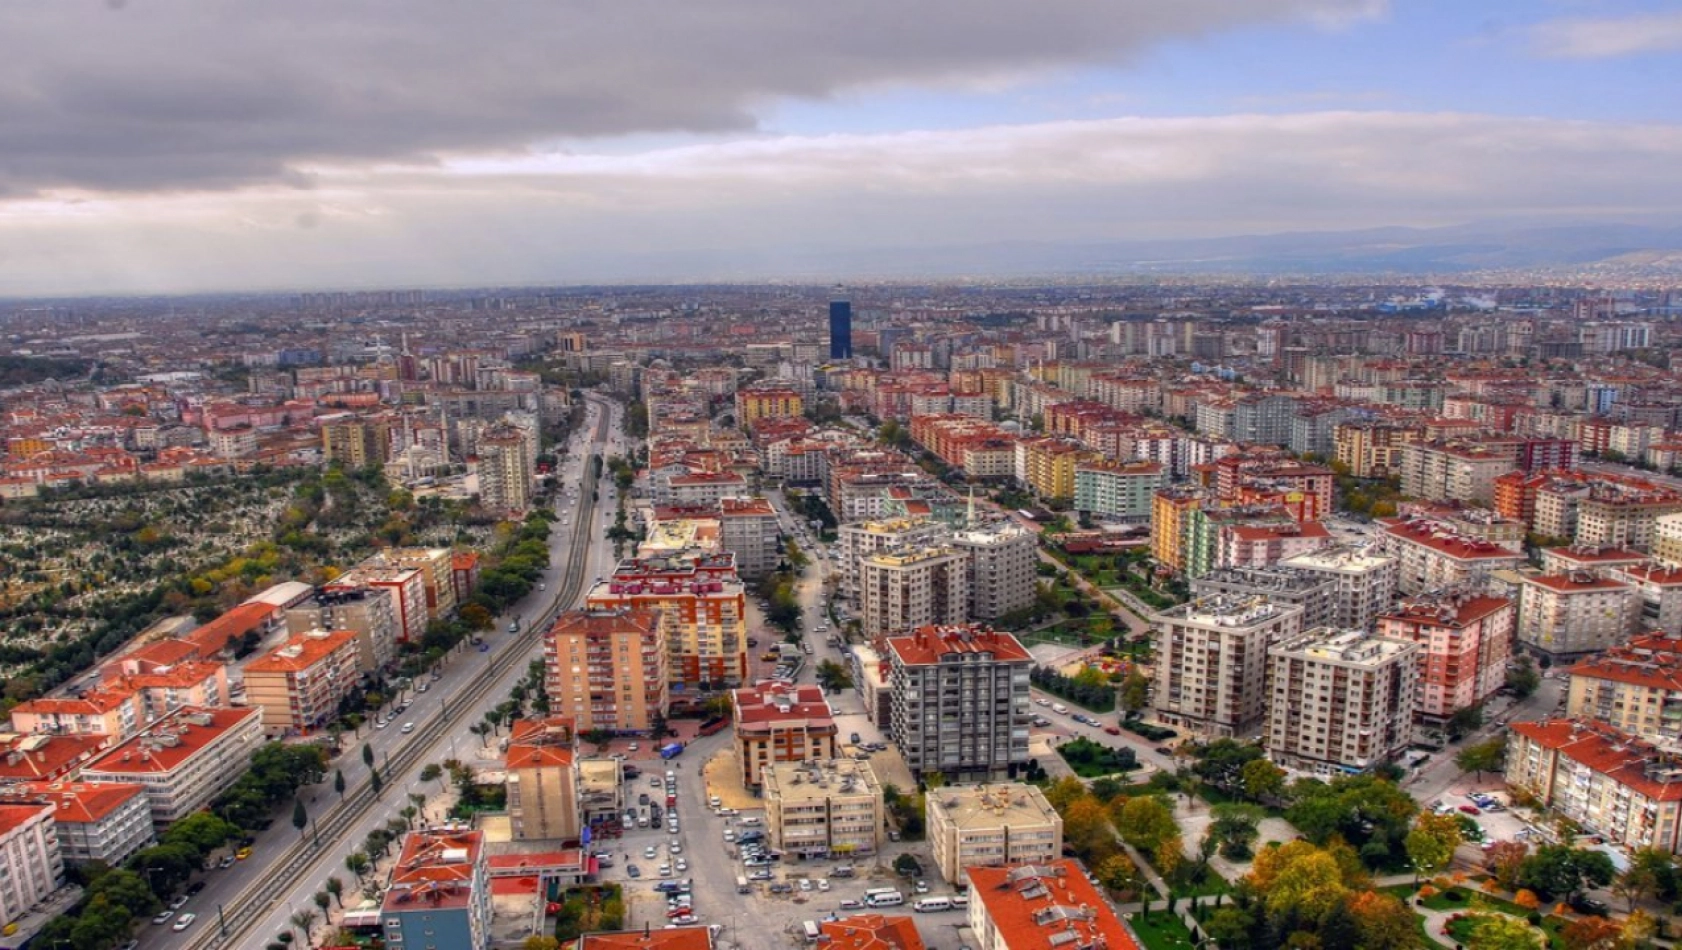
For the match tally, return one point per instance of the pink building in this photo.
(1465, 642)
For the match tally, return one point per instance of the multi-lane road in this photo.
(247, 905)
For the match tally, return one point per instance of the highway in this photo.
(249, 904)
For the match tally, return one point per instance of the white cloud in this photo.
(1602, 38)
(796, 204)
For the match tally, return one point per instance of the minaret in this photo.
(969, 521)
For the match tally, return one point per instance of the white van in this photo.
(811, 931)
(883, 897)
(928, 905)
(1060, 709)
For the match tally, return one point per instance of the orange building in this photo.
(1465, 642)
(781, 723)
(703, 611)
(300, 684)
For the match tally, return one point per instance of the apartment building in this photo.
(96, 712)
(907, 588)
(823, 808)
(45, 757)
(1667, 540)
(1046, 466)
(299, 684)
(1051, 906)
(1171, 510)
(960, 701)
(1610, 783)
(364, 611)
(439, 894)
(1430, 556)
(855, 542)
(747, 528)
(976, 826)
(702, 606)
(1372, 449)
(1211, 663)
(1568, 615)
(1342, 701)
(405, 585)
(504, 470)
(607, 668)
(1658, 595)
(542, 786)
(780, 722)
(1465, 642)
(1288, 586)
(437, 566)
(1000, 568)
(31, 864)
(1364, 582)
(92, 822)
(1635, 688)
(184, 760)
(1456, 471)
(1112, 490)
(1623, 518)
(753, 405)
(1597, 561)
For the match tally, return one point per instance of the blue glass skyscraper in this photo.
(840, 326)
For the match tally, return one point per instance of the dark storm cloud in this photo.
(195, 94)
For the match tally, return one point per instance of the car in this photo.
(665, 870)
(759, 875)
(484, 648)
(131, 945)
(854, 738)
(851, 904)
(728, 813)
(1113, 730)
(194, 888)
(163, 917)
(227, 862)
(729, 835)
(681, 866)
(642, 799)
(675, 849)
(1041, 701)
(805, 884)
(184, 921)
(823, 883)
(381, 723)
(654, 781)
(1163, 750)
(922, 887)
(633, 747)
(1471, 809)
(408, 727)
(682, 910)
(782, 888)
(685, 919)
(243, 853)
(715, 801)
(754, 862)
(649, 852)
(178, 903)
(1590, 906)
(422, 687)
(632, 870)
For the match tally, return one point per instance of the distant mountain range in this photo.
(1456, 249)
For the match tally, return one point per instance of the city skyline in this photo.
(320, 145)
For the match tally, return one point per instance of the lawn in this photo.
(1163, 931)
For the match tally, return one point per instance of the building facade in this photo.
(960, 701)
(1609, 782)
(823, 808)
(1634, 688)
(541, 784)
(184, 760)
(1465, 642)
(30, 856)
(991, 826)
(780, 722)
(1000, 568)
(606, 668)
(909, 588)
(1211, 663)
(703, 609)
(1568, 615)
(300, 683)
(439, 894)
(1364, 583)
(1342, 701)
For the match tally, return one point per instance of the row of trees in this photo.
(1095, 693)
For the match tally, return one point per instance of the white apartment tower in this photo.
(1341, 701)
(1000, 572)
(1211, 663)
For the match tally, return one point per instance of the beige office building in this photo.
(823, 808)
(1341, 701)
(542, 788)
(606, 668)
(991, 826)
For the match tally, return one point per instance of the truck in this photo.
(671, 751)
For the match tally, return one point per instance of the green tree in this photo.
(1431, 843)
(300, 817)
(1481, 757)
(128, 890)
(368, 756)
(1523, 678)
(335, 887)
(1234, 828)
(1464, 721)
(358, 864)
(1650, 871)
(433, 772)
(1561, 872)
(1145, 821)
(339, 782)
(1262, 781)
(1135, 691)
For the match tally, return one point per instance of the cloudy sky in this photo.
(179, 145)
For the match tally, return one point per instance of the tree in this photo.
(1065, 792)
(1561, 872)
(433, 772)
(1503, 860)
(1381, 921)
(1119, 873)
(1523, 678)
(1230, 927)
(303, 920)
(1361, 809)
(540, 942)
(1649, 870)
(128, 890)
(1235, 828)
(1594, 933)
(1481, 757)
(1431, 843)
(1221, 764)
(339, 782)
(335, 887)
(377, 782)
(1262, 781)
(368, 756)
(358, 864)
(1464, 721)
(1299, 880)
(322, 900)
(1086, 828)
(300, 817)
(1135, 691)
(1145, 821)
(1501, 932)
(1169, 854)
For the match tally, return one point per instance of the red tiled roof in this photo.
(929, 644)
(146, 757)
(536, 743)
(47, 757)
(1439, 538)
(301, 652)
(423, 878)
(1576, 583)
(159, 653)
(694, 937)
(1653, 661)
(218, 634)
(757, 707)
(1029, 908)
(1654, 574)
(13, 817)
(1594, 555)
(1599, 747)
(75, 802)
(1465, 613)
(872, 932)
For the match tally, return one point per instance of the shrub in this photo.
(1527, 899)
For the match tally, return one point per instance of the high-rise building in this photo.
(606, 667)
(505, 471)
(30, 854)
(1001, 568)
(1465, 641)
(1288, 586)
(960, 701)
(1568, 615)
(840, 327)
(184, 760)
(860, 539)
(365, 611)
(1342, 701)
(703, 612)
(1623, 787)
(1365, 582)
(1211, 663)
(1636, 688)
(747, 528)
(906, 589)
(300, 683)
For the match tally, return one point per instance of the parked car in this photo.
(163, 917)
(183, 922)
(632, 870)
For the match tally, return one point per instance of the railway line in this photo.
(236, 919)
